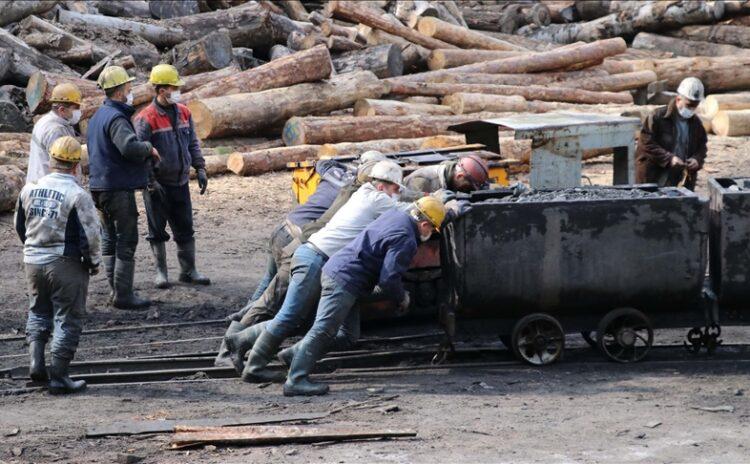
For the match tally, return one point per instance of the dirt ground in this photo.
(569, 412)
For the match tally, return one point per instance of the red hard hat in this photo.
(476, 170)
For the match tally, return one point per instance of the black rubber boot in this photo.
(264, 349)
(60, 382)
(186, 258)
(240, 343)
(37, 370)
(109, 270)
(161, 279)
(307, 354)
(125, 297)
(287, 355)
(223, 359)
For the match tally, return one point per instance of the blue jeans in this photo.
(337, 318)
(304, 289)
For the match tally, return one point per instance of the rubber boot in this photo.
(37, 370)
(60, 382)
(264, 349)
(223, 359)
(286, 355)
(125, 297)
(298, 381)
(186, 258)
(159, 249)
(242, 342)
(109, 270)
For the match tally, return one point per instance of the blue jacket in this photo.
(333, 176)
(380, 255)
(117, 159)
(179, 148)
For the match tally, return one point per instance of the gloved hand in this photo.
(156, 190)
(677, 162)
(518, 189)
(202, 180)
(456, 209)
(405, 301)
(94, 270)
(238, 315)
(444, 195)
(692, 164)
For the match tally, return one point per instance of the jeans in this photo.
(174, 208)
(336, 318)
(304, 289)
(57, 298)
(119, 217)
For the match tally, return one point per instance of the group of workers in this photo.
(351, 242)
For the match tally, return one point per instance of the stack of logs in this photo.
(272, 82)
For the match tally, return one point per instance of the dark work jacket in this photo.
(380, 255)
(656, 145)
(333, 176)
(109, 167)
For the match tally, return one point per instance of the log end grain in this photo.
(202, 118)
(731, 123)
(219, 50)
(36, 90)
(427, 25)
(236, 163)
(362, 108)
(293, 132)
(436, 60)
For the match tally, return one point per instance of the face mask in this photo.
(174, 97)
(686, 112)
(395, 196)
(75, 117)
(129, 98)
(424, 238)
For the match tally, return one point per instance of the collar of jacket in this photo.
(128, 110)
(161, 109)
(58, 119)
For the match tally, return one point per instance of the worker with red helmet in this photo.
(466, 174)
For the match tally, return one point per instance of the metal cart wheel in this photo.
(625, 335)
(507, 341)
(590, 338)
(538, 339)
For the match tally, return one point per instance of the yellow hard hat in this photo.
(112, 76)
(67, 149)
(165, 74)
(432, 209)
(66, 93)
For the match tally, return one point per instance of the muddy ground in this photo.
(569, 412)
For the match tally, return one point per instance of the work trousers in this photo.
(174, 208)
(303, 292)
(57, 304)
(119, 217)
(337, 317)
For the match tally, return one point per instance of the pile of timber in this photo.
(273, 82)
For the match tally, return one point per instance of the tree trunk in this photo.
(47, 41)
(460, 36)
(413, 55)
(451, 58)
(683, 47)
(717, 74)
(542, 78)
(713, 104)
(38, 24)
(40, 86)
(613, 83)
(537, 14)
(505, 20)
(562, 11)
(352, 11)
(294, 9)
(529, 92)
(128, 9)
(160, 36)
(16, 10)
(259, 162)
(328, 27)
(209, 53)
(370, 107)
(421, 99)
(299, 41)
(216, 165)
(26, 60)
(249, 112)
(12, 180)
(279, 51)
(320, 130)
(383, 60)
(739, 21)
(306, 66)
(6, 63)
(738, 36)
(464, 103)
(731, 123)
(167, 10)
(535, 62)
(342, 44)
(390, 145)
(409, 12)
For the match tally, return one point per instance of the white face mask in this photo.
(75, 117)
(686, 112)
(396, 196)
(174, 97)
(129, 98)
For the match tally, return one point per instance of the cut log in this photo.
(12, 180)
(26, 60)
(460, 36)
(40, 86)
(294, 9)
(723, 102)
(161, 36)
(166, 10)
(529, 92)
(731, 123)
(342, 44)
(47, 41)
(421, 99)
(684, 47)
(738, 21)
(454, 11)
(525, 42)
(371, 107)
(249, 112)
(542, 78)
(208, 53)
(77, 55)
(386, 146)
(506, 20)
(463, 103)
(320, 130)
(537, 14)
(451, 58)
(298, 41)
(259, 162)
(127, 9)
(38, 24)
(409, 12)
(383, 60)
(279, 51)
(613, 83)
(353, 11)
(414, 56)
(216, 165)
(738, 36)
(6, 62)
(17, 10)
(249, 25)
(562, 11)
(306, 66)
(717, 74)
(328, 27)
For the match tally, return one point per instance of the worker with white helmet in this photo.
(371, 200)
(672, 142)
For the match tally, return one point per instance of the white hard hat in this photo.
(691, 88)
(387, 171)
(371, 155)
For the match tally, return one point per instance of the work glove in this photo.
(692, 164)
(202, 180)
(403, 306)
(94, 270)
(518, 189)
(444, 195)
(238, 315)
(677, 162)
(456, 208)
(156, 190)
